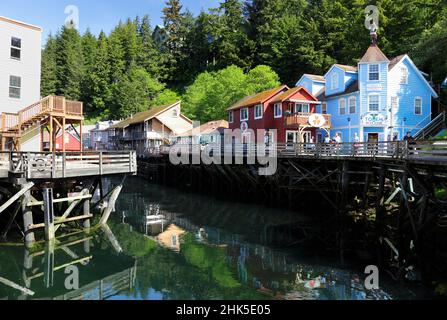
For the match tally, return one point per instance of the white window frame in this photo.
(257, 108)
(355, 105)
(244, 118)
(277, 106)
(403, 75)
(16, 48)
(340, 101)
(394, 108)
(370, 72)
(421, 106)
(335, 81)
(19, 87)
(231, 117)
(378, 102)
(324, 108)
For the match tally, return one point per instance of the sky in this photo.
(94, 14)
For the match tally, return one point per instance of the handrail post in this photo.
(100, 164)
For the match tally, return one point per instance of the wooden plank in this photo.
(60, 200)
(14, 198)
(13, 285)
(62, 221)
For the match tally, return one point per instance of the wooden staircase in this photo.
(53, 111)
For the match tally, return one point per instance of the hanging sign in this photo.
(317, 120)
(244, 126)
(374, 119)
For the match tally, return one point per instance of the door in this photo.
(292, 137)
(373, 137)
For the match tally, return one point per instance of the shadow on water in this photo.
(163, 244)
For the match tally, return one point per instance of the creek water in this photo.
(164, 244)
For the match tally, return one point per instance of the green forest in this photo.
(217, 57)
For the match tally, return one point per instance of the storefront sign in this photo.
(244, 126)
(317, 120)
(374, 119)
(374, 87)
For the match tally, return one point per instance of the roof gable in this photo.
(313, 77)
(374, 54)
(341, 67)
(258, 98)
(400, 60)
(289, 93)
(144, 116)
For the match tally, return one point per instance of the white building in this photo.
(20, 59)
(20, 63)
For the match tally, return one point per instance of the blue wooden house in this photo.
(379, 100)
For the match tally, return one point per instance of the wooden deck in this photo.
(52, 165)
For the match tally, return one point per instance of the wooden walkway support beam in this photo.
(111, 204)
(48, 213)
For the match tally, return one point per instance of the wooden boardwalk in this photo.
(52, 165)
(430, 152)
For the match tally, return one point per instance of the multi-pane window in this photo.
(373, 72)
(16, 48)
(324, 108)
(231, 117)
(334, 81)
(404, 75)
(342, 106)
(394, 103)
(374, 103)
(352, 105)
(418, 106)
(259, 111)
(302, 108)
(244, 114)
(278, 110)
(15, 86)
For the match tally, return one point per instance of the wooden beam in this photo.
(60, 200)
(72, 207)
(111, 204)
(13, 285)
(16, 196)
(63, 221)
(48, 214)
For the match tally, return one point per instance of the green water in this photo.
(164, 244)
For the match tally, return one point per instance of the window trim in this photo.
(248, 116)
(422, 105)
(378, 102)
(15, 87)
(402, 70)
(12, 47)
(335, 79)
(279, 115)
(231, 117)
(394, 109)
(339, 107)
(303, 105)
(324, 108)
(355, 105)
(369, 72)
(256, 109)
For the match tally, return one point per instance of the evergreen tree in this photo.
(49, 84)
(70, 63)
(148, 56)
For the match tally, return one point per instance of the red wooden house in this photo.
(72, 142)
(292, 112)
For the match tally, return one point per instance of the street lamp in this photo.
(349, 126)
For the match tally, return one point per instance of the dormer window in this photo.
(374, 72)
(404, 75)
(334, 81)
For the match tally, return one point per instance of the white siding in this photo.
(28, 68)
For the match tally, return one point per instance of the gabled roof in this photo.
(143, 116)
(314, 77)
(207, 128)
(396, 61)
(343, 67)
(374, 54)
(287, 94)
(353, 87)
(347, 68)
(257, 98)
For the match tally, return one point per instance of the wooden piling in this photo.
(27, 220)
(48, 213)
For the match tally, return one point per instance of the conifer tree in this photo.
(49, 84)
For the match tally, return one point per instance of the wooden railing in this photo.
(302, 119)
(15, 121)
(430, 151)
(47, 165)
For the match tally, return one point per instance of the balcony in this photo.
(312, 120)
(147, 135)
